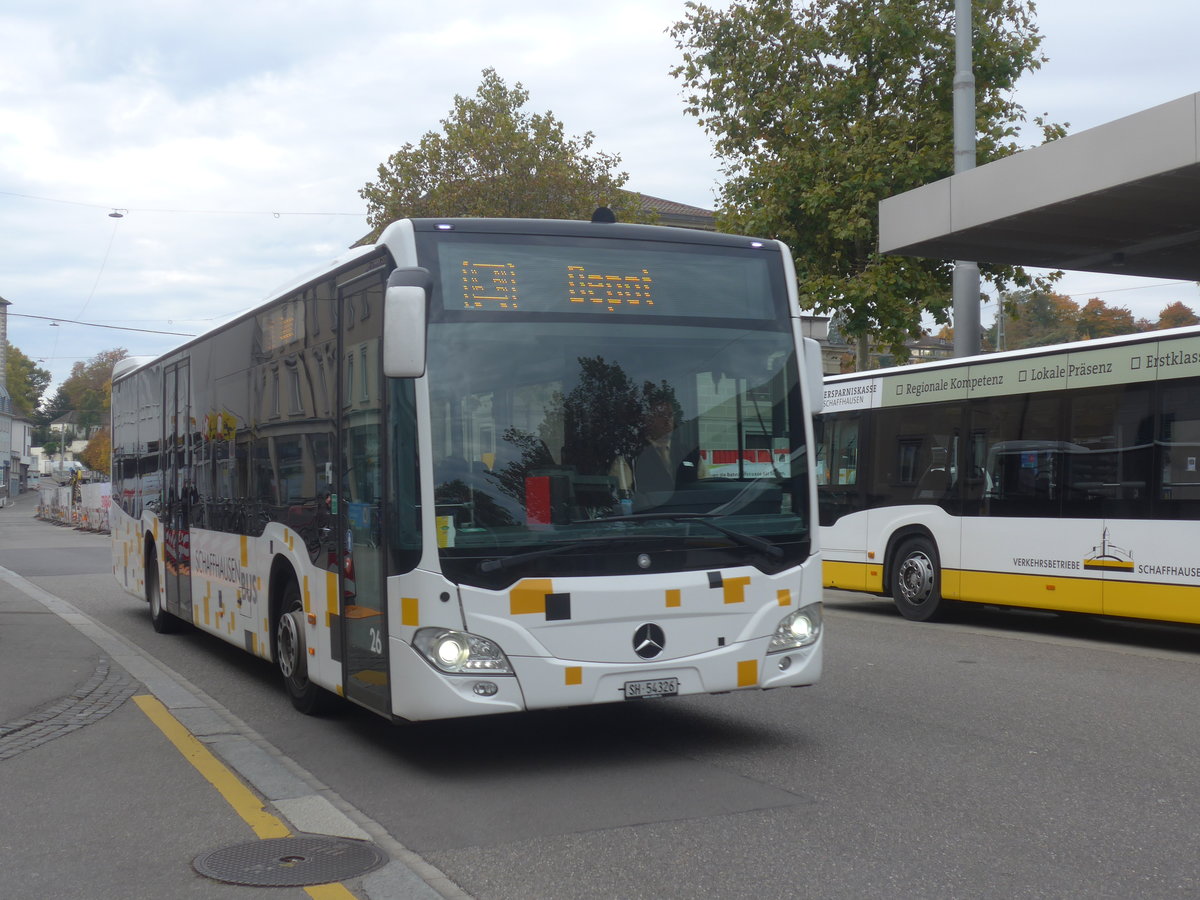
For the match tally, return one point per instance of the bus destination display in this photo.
(489, 285)
(608, 290)
(494, 286)
(585, 277)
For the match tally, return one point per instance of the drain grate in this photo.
(290, 861)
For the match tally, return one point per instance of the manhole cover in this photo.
(290, 861)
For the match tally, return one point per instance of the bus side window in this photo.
(1179, 452)
(843, 455)
(908, 462)
(921, 465)
(935, 481)
(1022, 468)
(1111, 460)
(977, 481)
(837, 466)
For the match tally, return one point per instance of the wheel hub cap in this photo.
(916, 579)
(290, 645)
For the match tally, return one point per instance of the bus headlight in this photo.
(461, 653)
(798, 629)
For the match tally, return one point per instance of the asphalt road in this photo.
(1002, 755)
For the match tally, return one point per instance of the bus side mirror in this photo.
(816, 376)
(404, 321)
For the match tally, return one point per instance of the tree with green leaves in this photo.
(821, 109)
(26, 381)
(495, 159)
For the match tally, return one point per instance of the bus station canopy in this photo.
(1122, 198)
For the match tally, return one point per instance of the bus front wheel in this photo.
(917, 581)
(291, 655)
(163, 621)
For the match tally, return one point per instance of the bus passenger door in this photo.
(843, 515)
(180, 490)
(360, 495)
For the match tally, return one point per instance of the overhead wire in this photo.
(119, 213)
(103, 262)
(98, 325)
(213, 212)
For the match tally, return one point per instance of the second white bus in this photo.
(1063, 478)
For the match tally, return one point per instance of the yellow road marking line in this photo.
(329, 892)
(236, 794)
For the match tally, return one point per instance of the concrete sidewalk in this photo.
(95, 800)
(44, 661)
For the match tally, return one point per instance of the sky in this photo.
(233, 136)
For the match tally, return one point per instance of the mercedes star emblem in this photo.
(649, 641)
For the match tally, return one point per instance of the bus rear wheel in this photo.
(917, 581)
(291, 655)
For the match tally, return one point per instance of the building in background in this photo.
(679, 215)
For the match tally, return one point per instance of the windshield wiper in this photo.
(507, 562)
(754, 542)
(774, 551)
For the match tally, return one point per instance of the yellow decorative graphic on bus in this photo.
(536, 595)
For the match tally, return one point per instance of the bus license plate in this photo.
(654, 687)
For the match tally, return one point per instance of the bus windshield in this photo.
(569, 442)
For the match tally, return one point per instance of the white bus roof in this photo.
(1024, 353)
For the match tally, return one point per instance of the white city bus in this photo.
(1063, 478)
(490, 465)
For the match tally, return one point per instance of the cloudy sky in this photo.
(234, 135)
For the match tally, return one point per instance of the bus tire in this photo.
(916, 580)
(163, 621)
(291, 655)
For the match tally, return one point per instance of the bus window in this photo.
(289, 465)
(1179, 443)
(844, 453)
(915, 455)
(908, 465)
(1027, 474)
(1109, 476)
(403, 484)
(1022, 469)
(837, 466)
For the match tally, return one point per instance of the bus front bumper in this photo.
(421, 692)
